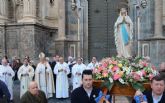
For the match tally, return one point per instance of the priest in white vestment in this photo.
(6, 75)
(62, 86)
(77, 70)
(93, 64)
(25, 75)
(44, 77)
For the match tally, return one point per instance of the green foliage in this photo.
(138, 86)
(107, 84)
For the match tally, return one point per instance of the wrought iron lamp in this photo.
(143, 3)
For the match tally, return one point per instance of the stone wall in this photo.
(1, 40)
(28, 39)
(148, 41)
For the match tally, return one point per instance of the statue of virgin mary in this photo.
(123, 30)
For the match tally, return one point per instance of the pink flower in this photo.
(100, 69)
(110, 62)
(116, 76)
(95, 70)
(105, 65)
(105, 74)
(115, 68)
(151, 76)
(114, 62)
(143, 72)
(144, 63)
(153, 67)
(136, 76)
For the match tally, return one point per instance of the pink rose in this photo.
(151, 76)
(153, 67)
(105, 65)
(105, 74)
(100, 69)
(144, 63)
(136, 76)
(114, 62)
(143, 72)
(116, 76)
(115, 68)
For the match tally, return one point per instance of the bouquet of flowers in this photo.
(124, 71)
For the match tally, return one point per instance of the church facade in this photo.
(79, 28)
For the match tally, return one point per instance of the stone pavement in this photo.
(16, 90)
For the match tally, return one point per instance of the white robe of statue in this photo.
(76, 73)
(6, 75)
(123, 34)
(62, 86)
(92, 65)
(25, 75)
(44, 78)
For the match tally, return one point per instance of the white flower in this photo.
(111, 80)
(139, 73)
(121, 81)
(128, 70)
(117, 71)
(155, 72)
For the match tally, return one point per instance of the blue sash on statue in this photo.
(125, 35)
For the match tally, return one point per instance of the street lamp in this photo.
(73, 5)
(143, 3)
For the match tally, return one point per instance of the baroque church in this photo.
(79, 28)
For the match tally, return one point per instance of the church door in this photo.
(102, 15)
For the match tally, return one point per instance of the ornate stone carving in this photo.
(19, 9)
(4, 8)
(52, 2)
(29, 8)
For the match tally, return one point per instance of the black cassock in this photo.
(79, 95)
(148, 94)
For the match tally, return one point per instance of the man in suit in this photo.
(157, 94)
(86, 93)
(55, 61)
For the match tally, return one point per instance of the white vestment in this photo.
(91, 65)
(77, 68)
(25, 75)
(6, 75)
(44, 78)
(62, 85)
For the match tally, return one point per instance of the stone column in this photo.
(61, 20)
(157, 43)
(60, 44)
(84, 4)
(3, 11)
(158, 18)
(29, 11)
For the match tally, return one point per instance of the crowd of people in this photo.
(49, 78)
